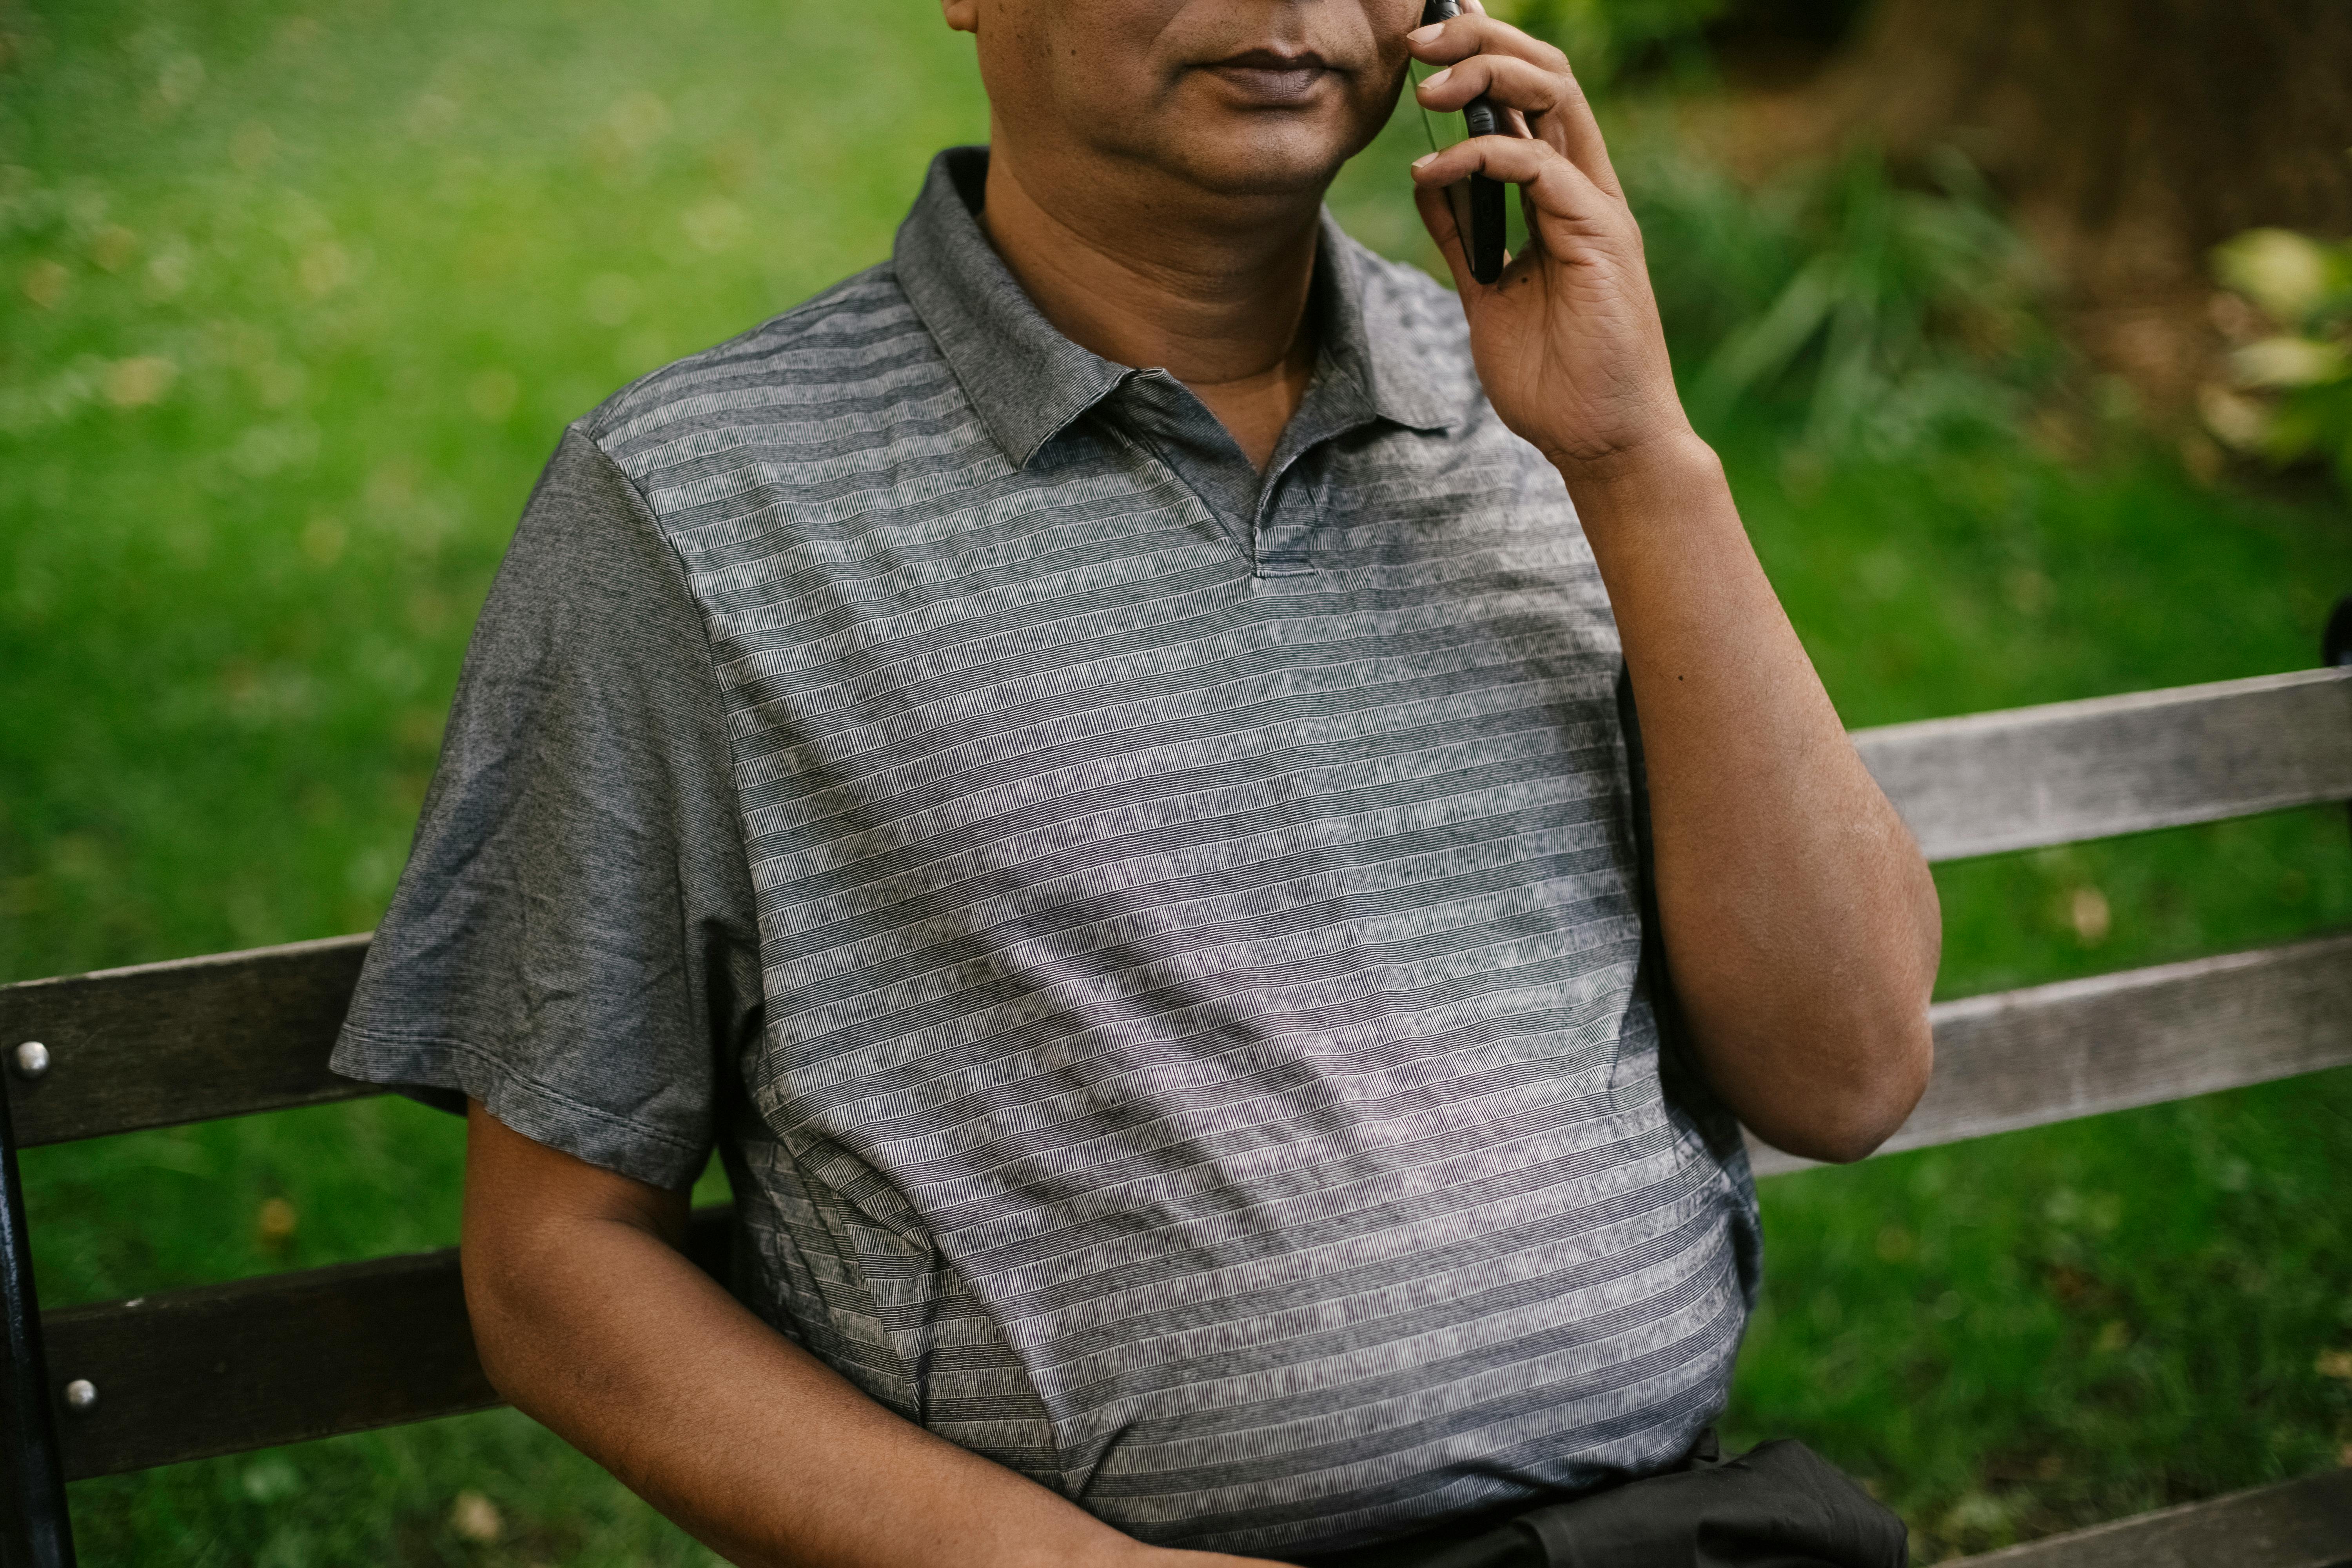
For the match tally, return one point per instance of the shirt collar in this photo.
(1028, 382)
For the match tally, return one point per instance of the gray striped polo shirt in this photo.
(1159, 950)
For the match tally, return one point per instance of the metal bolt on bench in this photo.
(290, 1357)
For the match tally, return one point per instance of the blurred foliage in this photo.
(1612, 40)
(1897, 317)
(1601, 37)
(1895, 311)
(2289, 396)
(295, 299)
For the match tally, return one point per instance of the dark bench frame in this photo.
(100, 1389)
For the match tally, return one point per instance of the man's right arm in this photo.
(591, 1320)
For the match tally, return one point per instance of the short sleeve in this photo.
(573, 942)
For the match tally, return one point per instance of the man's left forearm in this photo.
(1800, 925)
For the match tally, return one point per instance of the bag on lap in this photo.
(1780, 1505)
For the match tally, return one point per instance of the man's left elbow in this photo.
(1878, 1096)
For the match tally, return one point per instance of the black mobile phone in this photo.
(1483, 233)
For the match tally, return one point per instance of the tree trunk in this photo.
(2194, 119)
(2131, 136)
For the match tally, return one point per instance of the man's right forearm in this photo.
(591, 1320)
(613, 1338)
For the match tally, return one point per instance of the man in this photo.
(1089, 761)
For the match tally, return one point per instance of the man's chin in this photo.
(1250, 163)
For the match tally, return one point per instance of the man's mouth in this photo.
(1270, 76)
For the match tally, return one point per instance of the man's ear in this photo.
(963, 15)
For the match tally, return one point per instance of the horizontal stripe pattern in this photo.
(1204, 1064)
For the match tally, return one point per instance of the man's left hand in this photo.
(1566, 340)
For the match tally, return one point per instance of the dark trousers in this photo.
(1780, 1505)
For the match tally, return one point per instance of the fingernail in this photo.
(1426, 34)
(1425, 159)
(1434, 78)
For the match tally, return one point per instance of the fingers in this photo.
(1555, 188)
(1521, 72)
(1510, 83)
(1459, 38)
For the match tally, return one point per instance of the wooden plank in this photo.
(2071, 770)
(2295, 1524)
(263, 1362)
(2051, 1053)
(216, 1037)
(279, 1358)
(185, 1041)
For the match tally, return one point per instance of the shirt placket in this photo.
(1288, 509)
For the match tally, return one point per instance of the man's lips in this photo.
(1272, 78)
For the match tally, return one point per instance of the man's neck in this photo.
(1222, 307)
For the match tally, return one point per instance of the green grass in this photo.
(388, 251)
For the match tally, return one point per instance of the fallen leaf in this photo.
(137, 382)
(276, 1222)
(45, 284)
(475, 1518)
(2087, 912)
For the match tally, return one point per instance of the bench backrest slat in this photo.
(2068, 771)
(185, 1041)
(279, 1358)
(2049, 1053)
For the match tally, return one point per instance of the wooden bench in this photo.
(96, 1390)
